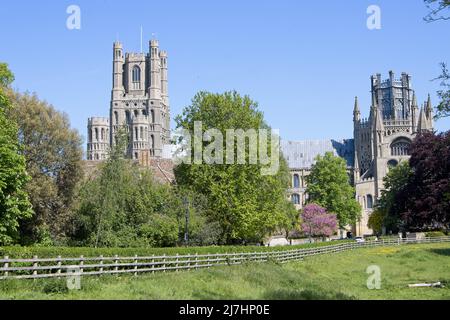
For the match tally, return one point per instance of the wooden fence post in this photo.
(6, 266)
(101, 265)
(153, 263)
(196, 261)
(189, 262)
(81, 263)
(116, 263)
(35, 265)
(59, 265)
(176, 265)
(164, 262)
(135, 265)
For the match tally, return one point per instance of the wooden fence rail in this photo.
(60, 267)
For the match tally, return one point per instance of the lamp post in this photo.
(186, 230)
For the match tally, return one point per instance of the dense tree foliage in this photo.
(14, 203)
(417, 195)
(317, 222)
(247, 204)
(328, 185)
(376, 220)
(427, 194)
(123, 206)
(393, 199)
(53, 153)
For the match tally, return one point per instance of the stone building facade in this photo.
(139, 107)
(379, 142)
(301, 155)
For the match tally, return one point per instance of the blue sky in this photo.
(303, 61)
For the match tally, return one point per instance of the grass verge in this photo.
(338, 276)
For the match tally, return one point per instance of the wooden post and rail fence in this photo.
(36, 268)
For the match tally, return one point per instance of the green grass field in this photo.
(338, 276)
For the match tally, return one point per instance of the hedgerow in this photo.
(53, 252)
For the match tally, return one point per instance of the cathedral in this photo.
(379, 142)
(139, 107)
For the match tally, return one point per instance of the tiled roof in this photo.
(301, 154)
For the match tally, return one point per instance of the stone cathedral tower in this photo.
(139, 106)
(383, 140)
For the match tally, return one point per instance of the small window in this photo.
(152, 142)
(295, 199)
(136, 77)
(136, 74)
(369, 201)
(392, 163)
(152, 116)
(296, 181)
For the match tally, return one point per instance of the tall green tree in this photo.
(14, 202)
(425, 200)
(53, 153)
(393, 199)
(123, 206)
(417, 192)
(328, 185)
(246, 203)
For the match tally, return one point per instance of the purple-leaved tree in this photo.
(317, 222)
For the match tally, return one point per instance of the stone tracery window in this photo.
(400, 147)
(295, 198)
(136, 77)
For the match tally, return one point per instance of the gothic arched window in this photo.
(369, 201)
(400, 147)
(392, 163)
(296, 181)
(295, 198)
(136, 77)
(96, 134)
(136, 74)
(152, 116)
(116, 117)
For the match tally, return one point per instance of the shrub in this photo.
(434, 234)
